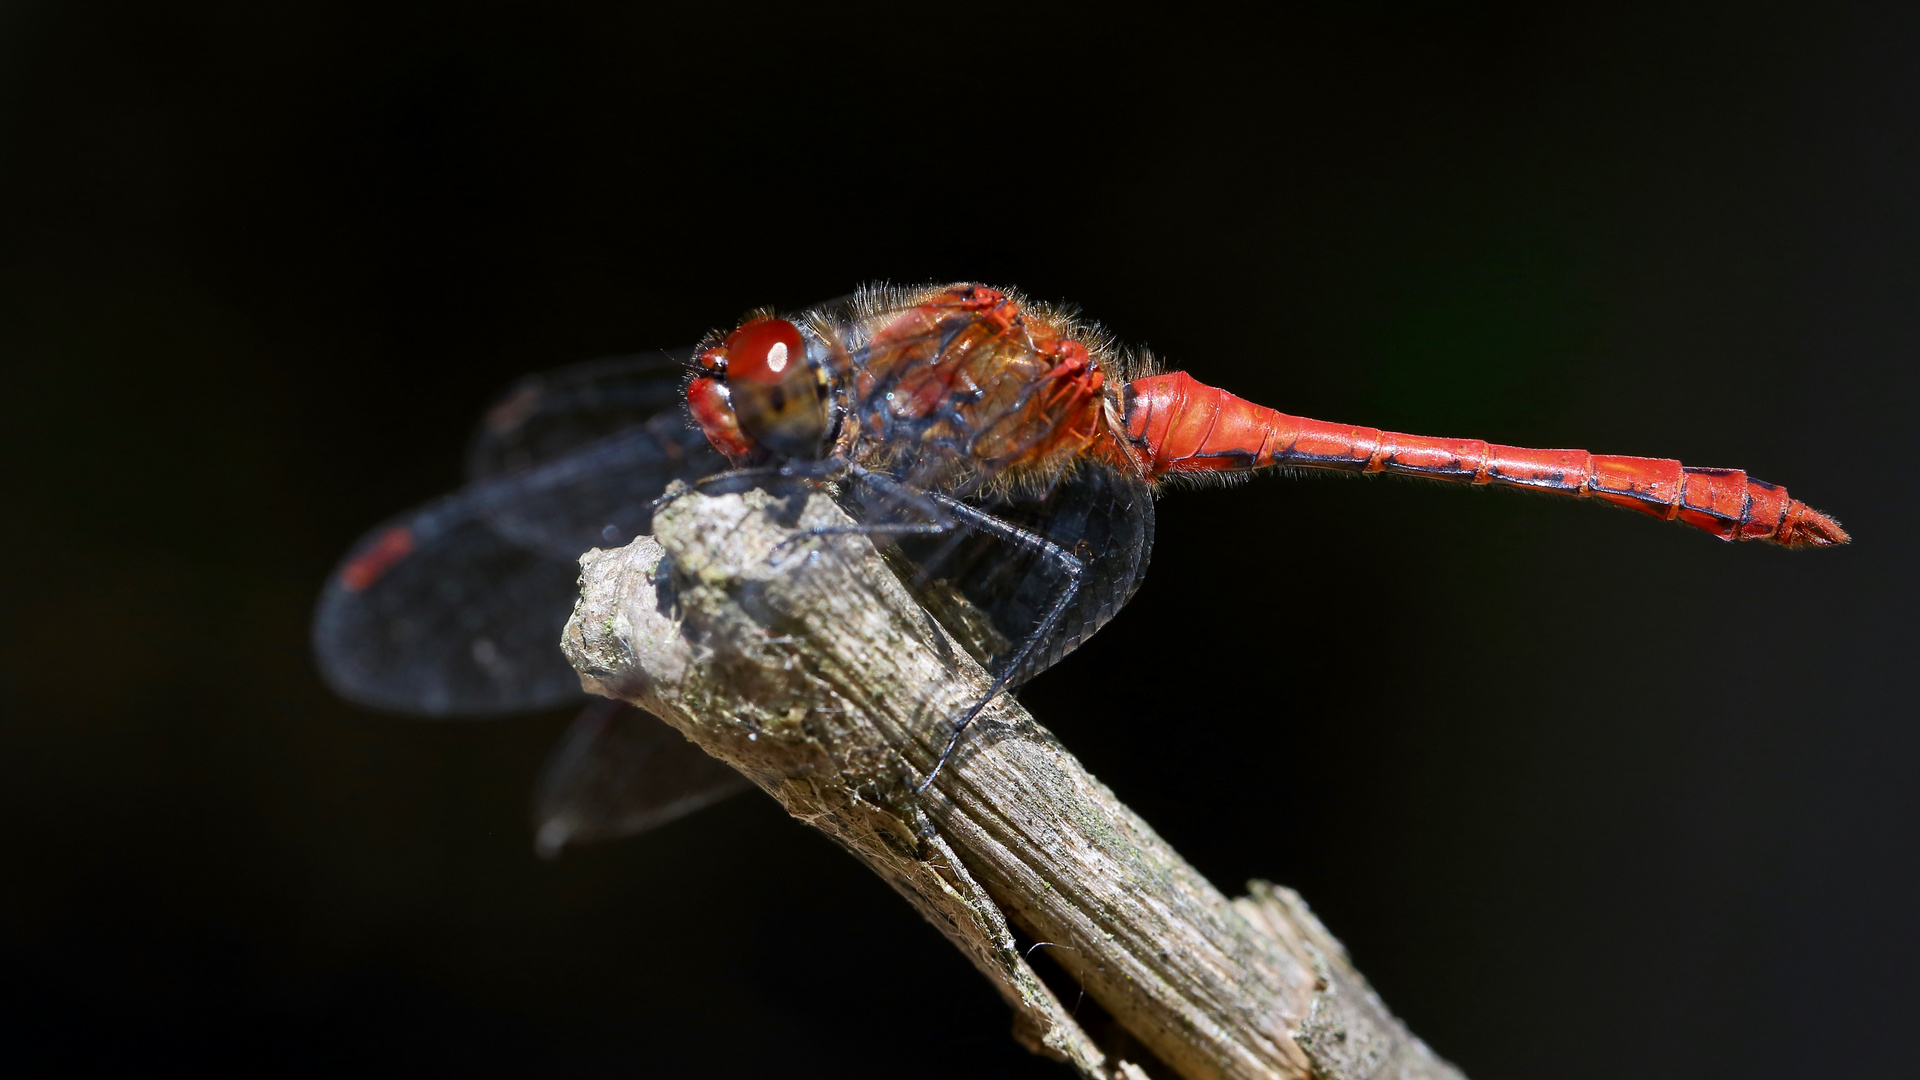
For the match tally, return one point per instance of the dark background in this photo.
(1586, 795)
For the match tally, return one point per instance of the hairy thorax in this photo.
(970, 384)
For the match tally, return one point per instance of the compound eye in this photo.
(766, 351)
(775, 393)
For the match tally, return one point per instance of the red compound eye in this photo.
(777, 396)
(766, 351)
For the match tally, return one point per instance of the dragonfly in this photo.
(1005, 454)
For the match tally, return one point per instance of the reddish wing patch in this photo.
(394, 544)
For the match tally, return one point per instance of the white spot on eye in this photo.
(777, 357)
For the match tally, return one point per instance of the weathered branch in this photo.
(809, 667)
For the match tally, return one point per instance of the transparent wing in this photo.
(600, 495)
(551, 414)
(992, 593)
(620, 771)
(436, 613)
(606, 436)
(456, 608)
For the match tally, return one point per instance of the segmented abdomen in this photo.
(1187, 427)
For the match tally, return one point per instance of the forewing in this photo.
(550, 414)
(620, 771)
(436, 613)
(600, 440)
(457, 607)
(600, 495)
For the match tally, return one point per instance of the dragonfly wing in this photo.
(457, 607)
(436, 613)
(620, 771)
(992, 593)
(603, 439)
(550, 414)
(600, 495)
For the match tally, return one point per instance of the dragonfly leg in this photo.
(1072, 567)
(936, 521)
(944, 514)
(752, 475)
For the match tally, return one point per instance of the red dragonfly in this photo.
(1004, 453)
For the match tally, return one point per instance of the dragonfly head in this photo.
(759, 389)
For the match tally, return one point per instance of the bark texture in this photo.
(804, 663)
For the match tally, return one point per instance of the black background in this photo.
(1585, 794)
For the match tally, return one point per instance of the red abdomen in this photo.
(1183, 426)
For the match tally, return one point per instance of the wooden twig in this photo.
(806, 665)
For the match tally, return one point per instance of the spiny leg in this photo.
(792, 471)
(1032, 541)
(946, 513)
(922, 503)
